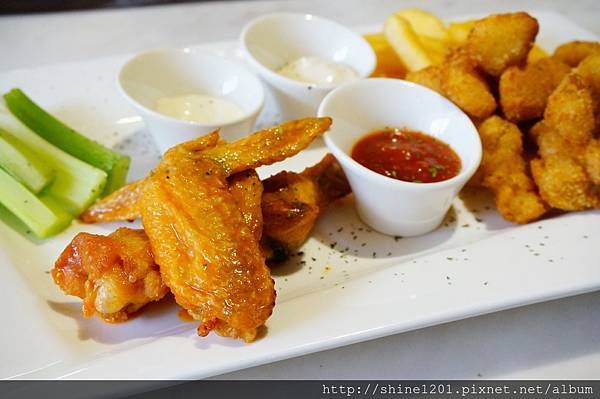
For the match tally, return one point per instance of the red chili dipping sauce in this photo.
(407, 155)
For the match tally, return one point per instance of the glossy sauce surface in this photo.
(407, 155)
(318, 70)
(199, 108)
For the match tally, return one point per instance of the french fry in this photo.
(435, 48)
(406, 43)
(388, 63)
(424, 23)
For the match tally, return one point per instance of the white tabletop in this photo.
(556, 339)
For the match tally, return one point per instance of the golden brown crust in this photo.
(466, 87)
(115, 275)
(208, 256)
(524, 92)
(572, 53)
(247, 189)
(430, 77)
(567, 167)
(570, 110)
(503, 40)
(120, 205)
(503, 170)
(294, 201)
(267, 146)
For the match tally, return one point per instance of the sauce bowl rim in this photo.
(466, 171)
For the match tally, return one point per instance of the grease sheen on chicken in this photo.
(208, 256)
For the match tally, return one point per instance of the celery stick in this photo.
(54, 131)
(23, 164)
(40, 218)
(76, 184)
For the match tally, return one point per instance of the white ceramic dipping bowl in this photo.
(272, 41)
(152, 75)
(389, 205)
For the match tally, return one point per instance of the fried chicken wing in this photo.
(119, 205)
(115, 275)
(567, 166)
(503, 170)
(524, 92)
(572, 53)
(294, 201)
(208, 256)
(267, 146)
(247, 190)
(503, 40)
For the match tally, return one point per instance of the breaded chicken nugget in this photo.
(536, 131)
(570, 110)
(524, 92)
(567, 171)
(464, 85)
(430, 77)
(502, 40)
(589, 70)
(572, 53)
(564, 184)
(591, 159)
(503, 170)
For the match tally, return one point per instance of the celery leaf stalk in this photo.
(76, 184)
(116, 165)
(23, 164)
(43, 220)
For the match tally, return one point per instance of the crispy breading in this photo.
(502, 40)
(115, 275)
(536, 130)
(570, 110)
(503, 170)
(589, 70)
(464, 86)
(430, 77)
(572, 53)
(591, 159)
(564, 184)
(566, 170)
(524, 91)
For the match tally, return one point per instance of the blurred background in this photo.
(30, 6)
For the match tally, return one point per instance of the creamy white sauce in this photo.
(318, 70)
(199, 108)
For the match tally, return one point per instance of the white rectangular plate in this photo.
(348, 284)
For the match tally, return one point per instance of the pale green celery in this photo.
(44, 219)
(76, 184)
(23, 164)
(115, 164)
